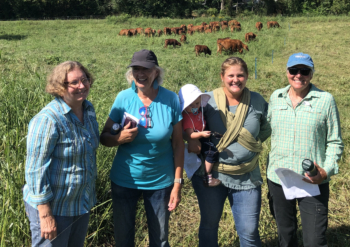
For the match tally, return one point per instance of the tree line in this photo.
(40, 9)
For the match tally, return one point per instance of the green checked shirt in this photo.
(310, 131)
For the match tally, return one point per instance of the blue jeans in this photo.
(71, 230)
(124, 213)
(245, 207)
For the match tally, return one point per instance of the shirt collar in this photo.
(66, 108)
(314, 92)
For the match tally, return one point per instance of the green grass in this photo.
(30, 49)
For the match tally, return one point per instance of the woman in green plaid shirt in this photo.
(305, 125)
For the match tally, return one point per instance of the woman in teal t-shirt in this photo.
(149, 160)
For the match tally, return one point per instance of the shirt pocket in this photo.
(280, 125)
(66, 146)
(311, 122)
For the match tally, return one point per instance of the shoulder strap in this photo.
(232, 122)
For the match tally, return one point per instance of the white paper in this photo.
(127, 115)
(191, 162)
(293, 185)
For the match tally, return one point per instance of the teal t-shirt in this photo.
(147, 162)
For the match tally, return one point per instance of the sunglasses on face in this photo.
(145, 120)
(302, 71)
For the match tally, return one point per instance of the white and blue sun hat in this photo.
(190, 93)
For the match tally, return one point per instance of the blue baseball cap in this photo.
(300, 58)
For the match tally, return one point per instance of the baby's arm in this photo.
(197, 135)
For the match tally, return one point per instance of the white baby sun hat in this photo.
(190, 93)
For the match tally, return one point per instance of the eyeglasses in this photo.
(76, 83)
(145, 120)
(303, 71)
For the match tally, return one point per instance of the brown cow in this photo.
(223, 23)
(235, 28)
(204, 23)
(233, 45)
(184, 28)
(250, 36)
(139, 30)
(125, 32)
(224, 27)
(213, 23)
(189, 26)
(234, 23)
(202, 49)
(206, 27)
(160, 32)
(183, 38)
(181, 32)
(190, 32)
(272, 24)
(258, 25)
(268, 24)
(133, 32)
(174, 30)
(167, 31)
(150, 32)
(199, 28)
(218, 41)
(208, 31)
(275, 24)
(216, 28)
(172, 42)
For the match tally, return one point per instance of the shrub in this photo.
(199, 12)
(212, 11)
(118, 19)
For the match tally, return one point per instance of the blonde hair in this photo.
(231, 61)
(129, 77)
(56, 81)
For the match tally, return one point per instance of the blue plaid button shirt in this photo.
(310, 131)
(61, 159)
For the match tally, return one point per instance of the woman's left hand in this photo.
(175, 197)
(318, 178)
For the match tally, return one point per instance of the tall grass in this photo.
(30, 49)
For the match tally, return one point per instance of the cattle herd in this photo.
(226, 44)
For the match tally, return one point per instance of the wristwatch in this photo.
(179, 180)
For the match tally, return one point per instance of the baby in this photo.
(192, 102)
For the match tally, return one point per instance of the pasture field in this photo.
(30, 49)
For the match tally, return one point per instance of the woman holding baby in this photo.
(240, 116)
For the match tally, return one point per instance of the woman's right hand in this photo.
(127, 134)
(48, 227)
(47, 222)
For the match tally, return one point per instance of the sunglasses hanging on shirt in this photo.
(145, 120)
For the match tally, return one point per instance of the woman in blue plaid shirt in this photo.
(60, 167)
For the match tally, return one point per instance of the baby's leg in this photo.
(208, 167)
(210, 181)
